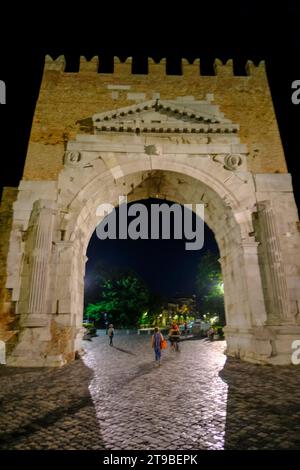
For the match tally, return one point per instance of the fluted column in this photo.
(253, 283)
(39, 251)
(276, 285)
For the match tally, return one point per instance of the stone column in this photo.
(40, 241)
(245, 307)
(40, 257)
(277, 301)
(68, 293)
(254, 286)
(34, 318)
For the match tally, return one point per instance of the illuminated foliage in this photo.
(210, 286)
(122, 300)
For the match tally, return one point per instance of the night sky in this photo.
(165, 265)
(239, 30)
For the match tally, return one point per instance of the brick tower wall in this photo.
(66, 98)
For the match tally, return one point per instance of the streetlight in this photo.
(106, 322)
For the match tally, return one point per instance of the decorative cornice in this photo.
(196, 117)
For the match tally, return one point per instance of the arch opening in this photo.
(168, 278)
(179, 188)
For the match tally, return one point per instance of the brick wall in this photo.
(66, 98)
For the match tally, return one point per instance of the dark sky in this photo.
(165, 265)
(239, 30)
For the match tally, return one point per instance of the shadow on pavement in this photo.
(124, 351)
(193, 338)
(262, 406)
(48, 408)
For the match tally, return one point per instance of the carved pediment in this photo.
(162, 116)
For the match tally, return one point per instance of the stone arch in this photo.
(140, 137)
(230, 229)
(228, 195)
(230, 221)
(224, 196)
(58, 217)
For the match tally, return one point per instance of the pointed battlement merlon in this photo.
(157, 69)
(58, 64)
(256, 70)
(123, 68)
(223, 70)
(190, 69)
(91, 65)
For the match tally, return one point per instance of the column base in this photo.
(53, 345)
(262, 345)
(25, 361)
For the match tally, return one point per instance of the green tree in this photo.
(156, 302)
(123, 299)
(208, 274)
(209, 286)
(214, 302)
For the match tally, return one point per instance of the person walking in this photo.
(174, 334)
(110, 333)
(156, 342)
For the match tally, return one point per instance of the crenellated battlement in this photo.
(58, 64)
(91, 65)
(155, 68)
(75, 89)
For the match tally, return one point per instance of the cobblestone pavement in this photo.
(116, 398)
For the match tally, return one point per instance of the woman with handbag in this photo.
(157, 343)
